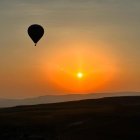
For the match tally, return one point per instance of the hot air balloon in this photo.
(35, 32)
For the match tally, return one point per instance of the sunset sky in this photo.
(88, 46)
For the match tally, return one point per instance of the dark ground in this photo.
(116, 118)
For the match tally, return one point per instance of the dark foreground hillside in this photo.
(116, 118)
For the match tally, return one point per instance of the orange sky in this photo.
(99, 39)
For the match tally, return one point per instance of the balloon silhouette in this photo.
(35, 32)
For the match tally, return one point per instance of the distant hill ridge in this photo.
(60, 98)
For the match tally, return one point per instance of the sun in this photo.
(79, 75)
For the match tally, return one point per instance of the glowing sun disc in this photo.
(79, 75)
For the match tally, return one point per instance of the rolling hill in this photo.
(113, 118)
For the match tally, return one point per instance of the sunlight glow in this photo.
(79, 69)
(80, 75)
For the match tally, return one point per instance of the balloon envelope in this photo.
(36, 32)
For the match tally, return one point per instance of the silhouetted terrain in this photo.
(114, 118)
(60, 98)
